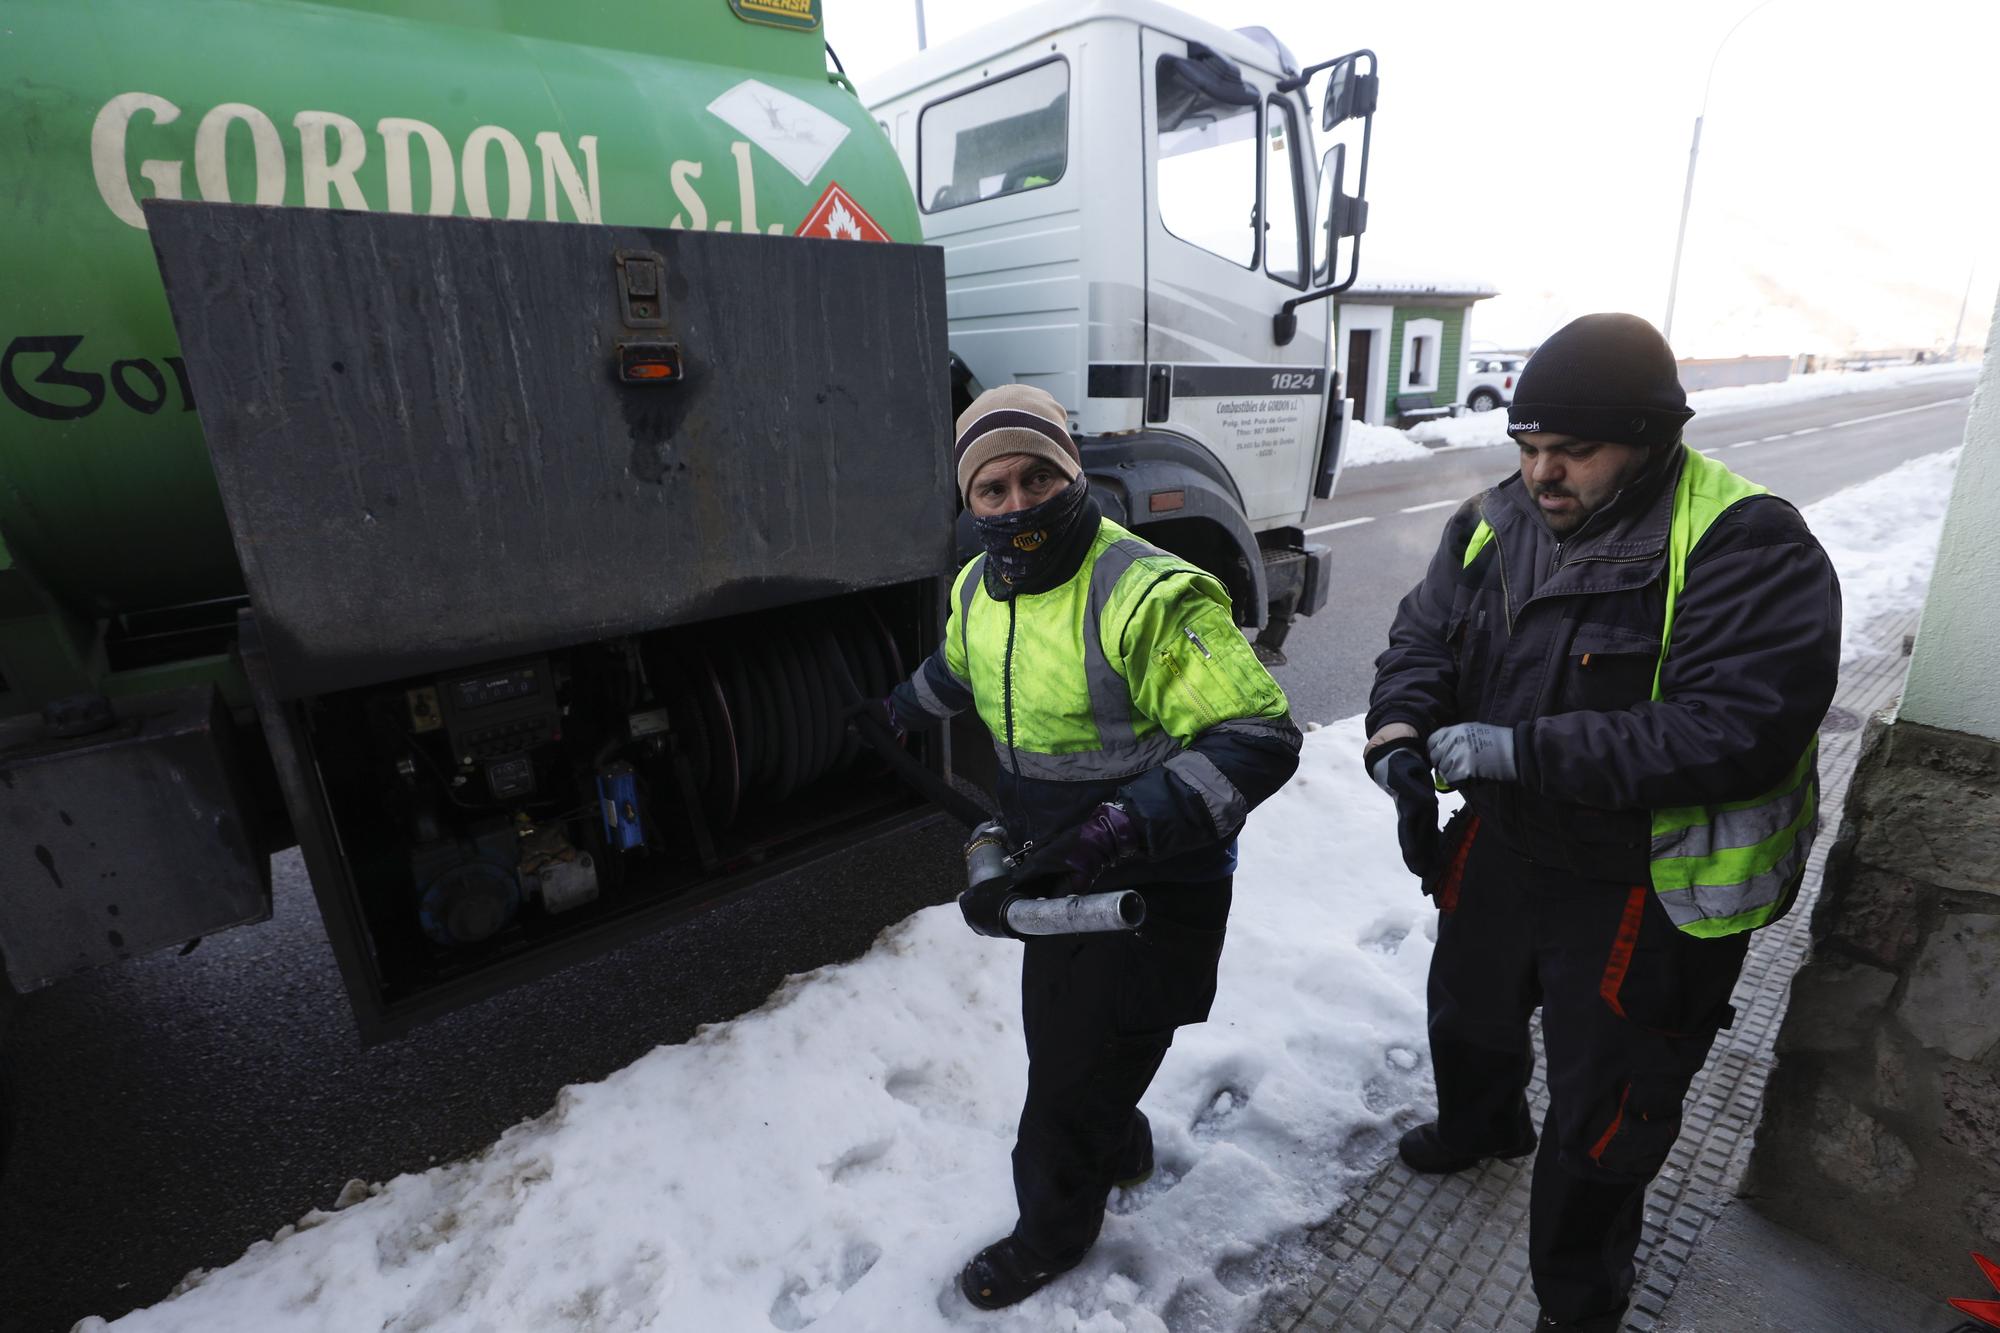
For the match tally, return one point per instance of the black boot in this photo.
(1004, 1273)
(1138, 1168)
(1609, 1321)
(1421, 1151)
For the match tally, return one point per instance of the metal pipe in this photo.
(1078, 914)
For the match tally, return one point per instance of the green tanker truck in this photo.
(465, 440)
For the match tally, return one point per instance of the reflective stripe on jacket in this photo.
(1129, 681)
(1719, 869)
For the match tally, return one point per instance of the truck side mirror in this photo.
(1349, 93)
(1337, 215)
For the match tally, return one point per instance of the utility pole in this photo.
(920, 25)
(1694, 154)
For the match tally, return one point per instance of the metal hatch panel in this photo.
(428, 458)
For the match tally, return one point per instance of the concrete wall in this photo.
(1955, 675)
(1727, 372)
(1881, 1127)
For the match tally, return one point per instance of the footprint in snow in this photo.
(1227, 1103)
(857, 1159)
(1387, 940)
(802, 1300)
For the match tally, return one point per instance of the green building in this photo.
(1400, 345)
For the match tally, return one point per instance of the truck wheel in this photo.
(1482, 400)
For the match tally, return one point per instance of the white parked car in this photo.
(1489, 378)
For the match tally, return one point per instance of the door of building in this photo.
(1360, 344)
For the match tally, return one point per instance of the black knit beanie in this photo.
(1602, 377)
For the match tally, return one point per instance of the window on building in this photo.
(1423, 339)
(1207, 167)
(1000, 138)
(1284, 191)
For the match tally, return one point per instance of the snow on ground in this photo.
(1882, 537)
(1365, 444)
(1481, 430)
(834, 1157)
(831, 1159)
(1828, 384)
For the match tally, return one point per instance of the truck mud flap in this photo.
(443, 441)
(129, 839)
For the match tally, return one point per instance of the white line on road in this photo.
(1344, 523)
(1807, 431)
(1435, 504)
(1783, 435)
(1921, 407)
(1740, 444)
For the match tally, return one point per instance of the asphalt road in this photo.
(177, 1109)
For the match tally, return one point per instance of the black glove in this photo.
(1400, 769)
(984, 907)
(1068, 863)
(1071, 861)
(880, 713)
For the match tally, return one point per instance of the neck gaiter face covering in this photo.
(1034, 550)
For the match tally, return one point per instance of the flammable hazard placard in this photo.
(837, 216)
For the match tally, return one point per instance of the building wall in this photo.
(1881, 1127)
(1953, 684)
(1451, 357)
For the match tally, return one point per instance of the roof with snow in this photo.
(1393, 285)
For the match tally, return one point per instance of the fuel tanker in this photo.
(489, 443)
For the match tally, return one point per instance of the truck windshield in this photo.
(1000, 138)
(1207, 169)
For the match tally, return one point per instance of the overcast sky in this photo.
(1846, 185)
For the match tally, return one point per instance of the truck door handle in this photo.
(1159, 393)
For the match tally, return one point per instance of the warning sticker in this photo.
(838, 217)
(797, 133)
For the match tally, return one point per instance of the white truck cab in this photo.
(1131, 211)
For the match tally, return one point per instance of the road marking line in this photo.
(1740, 444)
(1435, 504)
(1768, 438)
(1901, 411)
(1344, 523)
(1807, 431)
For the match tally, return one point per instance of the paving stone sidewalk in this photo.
(1411, 1253)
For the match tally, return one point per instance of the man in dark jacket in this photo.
(1135, 730)
(1621, 656)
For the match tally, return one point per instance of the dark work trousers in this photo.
(1100, 1012)
(1630, 1006)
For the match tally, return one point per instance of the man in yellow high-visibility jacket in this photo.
(1135, 729)
(1621, 656)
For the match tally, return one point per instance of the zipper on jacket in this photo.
(1007, 689)
(1195, 702)
(1200, 647)
(1506, 596)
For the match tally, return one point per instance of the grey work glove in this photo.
(1400, 769)
(1473, 750)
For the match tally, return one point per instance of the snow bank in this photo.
(1474, 430)
(1828, 384)
(1882, 537)
(1365, 444)
(1482, 430)
(833, 1158)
